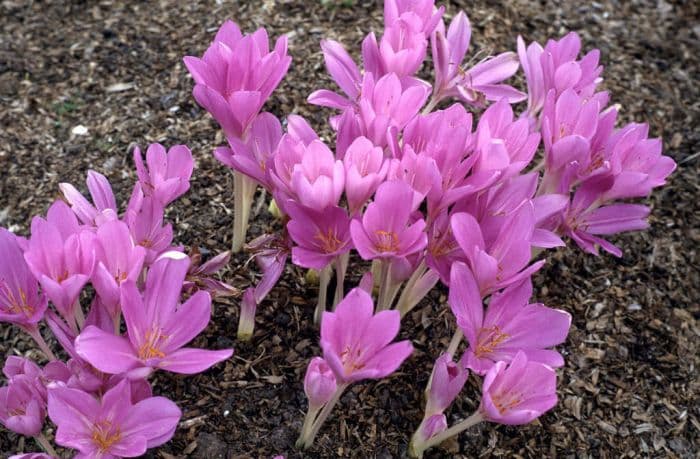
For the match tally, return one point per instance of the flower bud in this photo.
(319, 382)
(447, 382)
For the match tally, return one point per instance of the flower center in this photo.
(488, 339)
(351, 359)
(120, 276)
(386, 241)
(152, 344)
(16, 305)
(506, 401)
(105, 435)
(63, 276)
(328, 241)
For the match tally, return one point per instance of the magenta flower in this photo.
(556, 67)
(61, 257)
(504, 144)
(518, 392)
(320, 236)
(365, 169)
(505, 259)
(32, 456)
(144, 217)
(447, 382)
(104, 207)
(420, 171)
(422, 10)
(118, 260)
(236, 76)
(478, 84)
(443, 249)
(510, 325)
(319, 382)
(200, 276)
(355, 341)
(317, 181)
(385, 230)
(158, 327)
(254, 156)
(637, 162)
(344, 72)
(401, 50)
(112, 426)
(22, 409)
(168, 174)
(386, 104)
(20, 300)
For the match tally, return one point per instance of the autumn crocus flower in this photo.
(20, 300)
(145, 219)
(505, 259)
(103, 206)
(166, 174)
(518, 392)
(61, 257)
(319, 382)
(22, 409)
(510, 324)
(112, 426)
(158, 327)
(118, 260)
(480, 83)
(365, 169)
(320, 236)
(236, 76)
(356, 342)
(385, 230)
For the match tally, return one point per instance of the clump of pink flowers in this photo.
(150, 299)
(465, 180)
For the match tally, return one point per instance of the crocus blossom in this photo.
(20, 300)
(518, 392)
(319, 383)
(236, 75)
(103, 206)
(447, 382)
(22, 409)
(167, 176)
(509, 325)
(385, 230)
(356, 342)
(158, 327)
(320, 237)
(112, 426)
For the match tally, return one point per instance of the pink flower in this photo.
(481, 82)
(61, 256)
(385, 230)
(420, 171)
(320, 236)
(319, 382)
(447, 382)
(118, 260)
(365, 169)
(168, 174)
(422, 10)
(22, 409)
(254, 156)
(112, 426)
(518, 392)
(236, 76)
(505, 259)
(158, 327)
(510, 325)
(386, 104)
(20, 300)
(104, 207)
(355, 341)
(345, 74)
(556, 68)
(144, 217)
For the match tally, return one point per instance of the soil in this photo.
(630, 384)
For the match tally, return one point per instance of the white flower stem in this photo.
(454, 342)
(39, 340)
(243, 190)
(44, 443)
(324, 278)
(383, 302)
(416, 450)
(432, 103)
(341, 265)
(406, 300)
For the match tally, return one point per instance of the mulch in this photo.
(630, 384)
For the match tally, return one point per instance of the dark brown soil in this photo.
(630, 386)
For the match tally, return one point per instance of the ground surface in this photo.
(630, 386)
